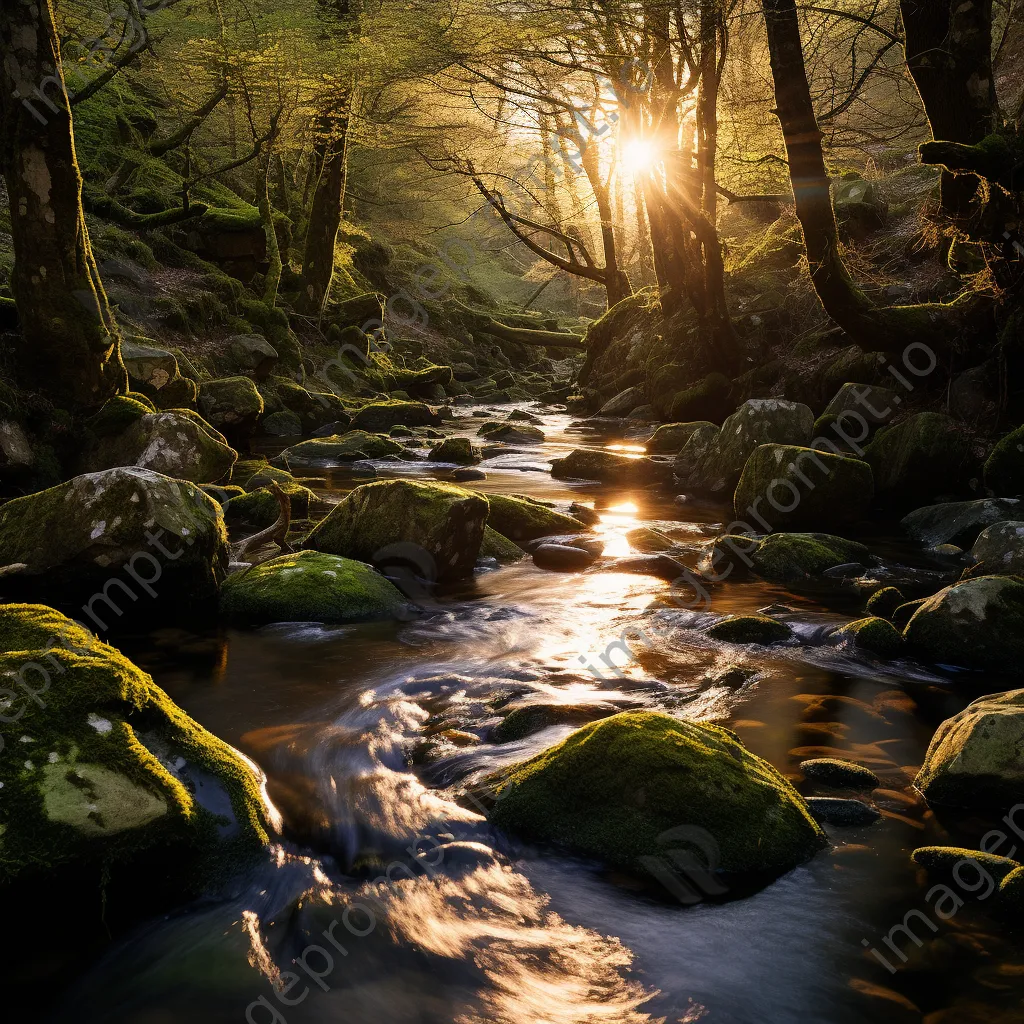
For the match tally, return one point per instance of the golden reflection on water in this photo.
(616, 522)
(630, 451)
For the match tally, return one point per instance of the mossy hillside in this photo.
(973, 759)
(613, 788)
(873, 634)
(792, 487)
(74, 537)
(351, 446)
(171, 443)
(1004, 468)
(439, 525)
(975, 624)
(115, 772)
(310, 586)
(519, 518)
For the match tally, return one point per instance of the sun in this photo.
(638, 156)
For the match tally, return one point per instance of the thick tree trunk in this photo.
(945, 327)
(70, 349)
(331, 165)
(949, 55)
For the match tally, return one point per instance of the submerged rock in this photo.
(671, 438)
(750, 629)
(437, 528)
(957, 522)
(177, 443)
(113, 775)
(834, 810)
(309, 586)
(122, 540)
(974, 760)
(522, 519)
(831, 771)
(352, 446)
(609, 468)
(975, 624)
(380, 416)
(617, 789)
(791, 487)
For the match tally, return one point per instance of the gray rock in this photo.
(251, 354)
(1000, 549)
(834, 810)
(958, 522)
(562, 558)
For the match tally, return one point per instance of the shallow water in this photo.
(370, 733)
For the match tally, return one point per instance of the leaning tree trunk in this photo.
(330, 166)
(616, 283)
(946, 327)
(70, 347)
(948, 46)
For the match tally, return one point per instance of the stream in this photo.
(388, 898)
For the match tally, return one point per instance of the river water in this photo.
(388, 898)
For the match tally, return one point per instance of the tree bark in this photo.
(948, 45)
(325, 214)
(70, 347)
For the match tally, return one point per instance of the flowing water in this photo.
(389, 899)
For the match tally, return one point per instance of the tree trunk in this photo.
(616, 282)
(944, 326)
(949, 55)
(71, 346)
(272, 281)
(331, 163)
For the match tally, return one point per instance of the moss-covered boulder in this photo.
(231, 404)
(310, 586)
(941, 861)
(975, 624)
(497, 546)
(1004, 468)
(958, 522)
(671, 438)
(617, 788)
(856, 409)
(282, 424)
(457, 450)
(710, 399)
(781, 557)
(833, 771)
(974, 759)
(314, 408)
(648, 541)
(512, 433)
(925, 455)
(380, 416)
(750, 629)
(610, 468)
(873, 634)
(250, 354)
(111, 775)
(118, 413)
(693, 453)
(999, 549)
(178, 444)
(522, 519)
(123, 541)
(348, 447)
(440, 525)
(259, 508)
(884, 602)
(756, 422)
(793, 487)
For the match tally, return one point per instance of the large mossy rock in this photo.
(782, 557)
(251, 354)
(512, 433)
(856, 408)
(957, 522)
(112, 777)
(974, 759)
(310, 586)
(100, 537)
(521, 519)
(351, 446)
(381, 416)
(975, 624)
(759, 421)
(609, 468)
(314, 408)
(403, 520)
(177, 443)
(147, 364)
(617, 788)
(999, 549)
(232, 404)
(671, 438)
(455, 450)
(793, 487)
(925, 455)
(1004, 468)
